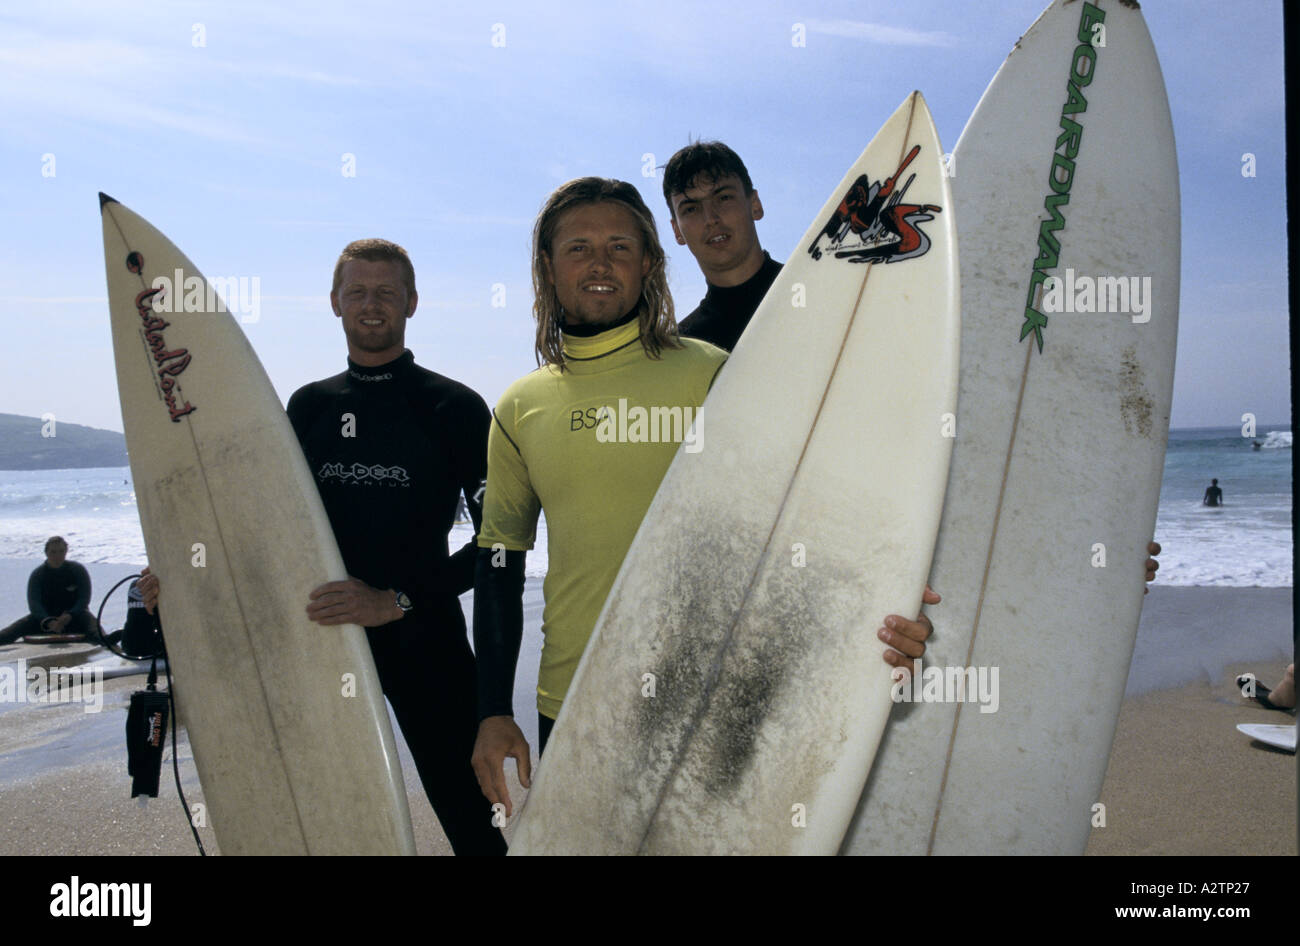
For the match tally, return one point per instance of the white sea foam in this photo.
(1223, 546)
(1245, 542)
(95, 510)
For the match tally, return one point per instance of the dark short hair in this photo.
(708, 159)
(376, 251)
(55, 540)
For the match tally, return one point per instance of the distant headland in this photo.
(33, 443)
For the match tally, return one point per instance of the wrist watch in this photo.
(404, 602)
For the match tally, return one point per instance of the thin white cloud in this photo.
(881, 35)
(285, 71)
(457, 218)
(105, 82)
(53, 300)
(308, 223)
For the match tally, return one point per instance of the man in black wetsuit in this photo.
(58, 598)
(392, 446)
(713, 207)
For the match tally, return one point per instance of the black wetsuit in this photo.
(392, 448)
(50, 593)
(139, 636)
(723, 313)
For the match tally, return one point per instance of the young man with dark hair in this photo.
(714, 207)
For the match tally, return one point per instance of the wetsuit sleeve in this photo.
(299, 410)
(471, 476)
(35, 603)
(82, 602)
(510, 507)
(498, 628)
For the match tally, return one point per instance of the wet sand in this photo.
(63, 782)
(1181, 779)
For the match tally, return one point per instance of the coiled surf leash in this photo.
(146, 720)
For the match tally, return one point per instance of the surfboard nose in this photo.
(104, 199)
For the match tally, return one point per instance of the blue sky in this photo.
(462, 121)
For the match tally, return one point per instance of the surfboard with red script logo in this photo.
(1066, 183)
(733, 691)
(286, 718)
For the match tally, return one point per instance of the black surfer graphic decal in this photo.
(872, 224)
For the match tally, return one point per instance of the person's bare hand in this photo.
(352, 602)
(1152, 566)
(148, 587)
(907, 637)
(500, 737)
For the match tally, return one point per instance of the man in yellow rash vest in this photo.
(587, 437)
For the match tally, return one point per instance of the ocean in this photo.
(1246, 542)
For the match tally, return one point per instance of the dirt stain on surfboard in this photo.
(713, 698)
(1135, 403)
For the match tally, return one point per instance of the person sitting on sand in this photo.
(58, 597)
(1281, 697)
(1213, 495)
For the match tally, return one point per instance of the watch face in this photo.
(403, 601)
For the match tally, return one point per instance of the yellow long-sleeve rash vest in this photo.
(589, 446)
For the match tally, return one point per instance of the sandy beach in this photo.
(63, 782)
(1181, 779)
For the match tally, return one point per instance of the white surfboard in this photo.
(113, 669)
(733, 692)
(1059, 451)
(1271, 734)
(286, 718)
